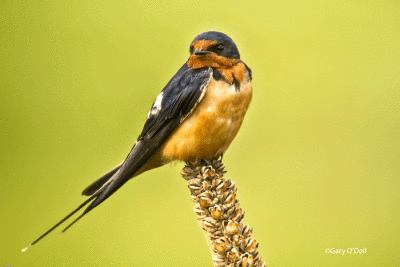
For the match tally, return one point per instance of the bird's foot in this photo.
(205, 161)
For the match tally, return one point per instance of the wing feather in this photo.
(177, 101)
(179, 97)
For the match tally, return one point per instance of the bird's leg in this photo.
(207, 162)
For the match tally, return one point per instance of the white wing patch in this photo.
(155, 109)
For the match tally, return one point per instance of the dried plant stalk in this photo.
(219, 211)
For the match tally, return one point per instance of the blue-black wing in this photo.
(175, 102)
(178, 98)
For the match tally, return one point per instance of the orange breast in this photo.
(212, 126)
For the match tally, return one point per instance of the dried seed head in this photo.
(222, 245)
(216, 212)
(231, 228)
(208, 172)
(207, 194)
(215, 201)
(221, 185)
(205, 199)
(195, 181)
(231, 185)
(230, 199)
(218, 234)
(237, 240)
(219, 180)
(251, 244)
(219, 256)
(211, 221)
(246, 231)
(238, 215)
(256, 256)
(219, 262)
(207, 184)
(187, 172)
(220, 214)
(230, 211)
(233, 255)
(214, 236)
(199, 212)
(247, 260)
(194, 187)
(208, 226)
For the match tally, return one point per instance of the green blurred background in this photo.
(316, 162)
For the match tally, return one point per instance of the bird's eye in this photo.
(216, 48)
(191, 49)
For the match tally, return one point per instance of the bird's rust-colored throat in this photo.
(229, 68)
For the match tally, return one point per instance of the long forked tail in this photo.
(94, 196)
(117, 177)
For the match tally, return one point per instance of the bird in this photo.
(195, 117)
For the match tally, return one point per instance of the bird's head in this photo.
(213, 49)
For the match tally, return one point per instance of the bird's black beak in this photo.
(201, 52)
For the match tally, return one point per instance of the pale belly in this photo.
(212, 126)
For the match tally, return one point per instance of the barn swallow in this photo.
(195, 117)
